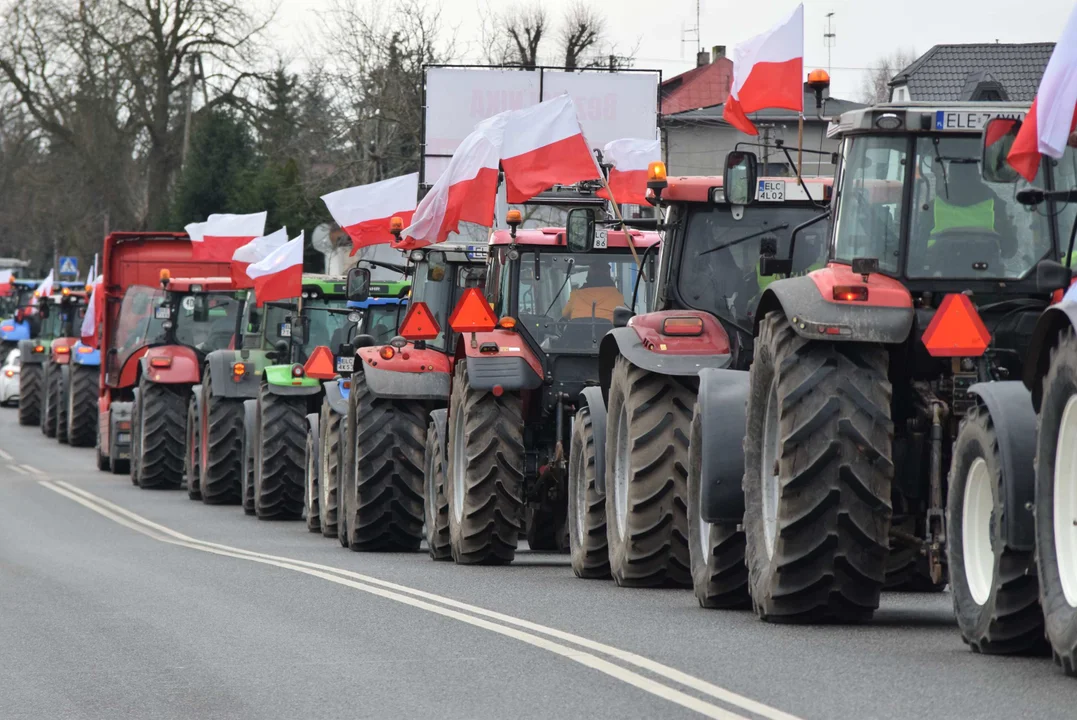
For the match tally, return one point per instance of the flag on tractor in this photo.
(364, 211)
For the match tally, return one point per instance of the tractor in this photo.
(13, 306)
(80, 391)
(70, 307)
(522, 361)
(629, 480)
(45, 319)
(400, 387)
(862, 370)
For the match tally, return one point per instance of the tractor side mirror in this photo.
(580, 229)
(358, 287)
(621, 316)
(770, 266)
(1051, 276)
(739, 178)
(998, 137)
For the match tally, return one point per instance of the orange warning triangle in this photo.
(472, 313)
(956, 330)
(419, 323)
(320, 364)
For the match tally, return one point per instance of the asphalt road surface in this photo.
(117, 602)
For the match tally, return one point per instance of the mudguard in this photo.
(596, 406)
(512, 364)
(279, 381)
(185, 367)
(1049, 326)
(1010, 406)
(336, 395)
(813, 317)
(82, 354)
(626, 341)
(413, 386)
(722, 403)
(222, 380)
(27, 355)
(119, 412)
(19, 330)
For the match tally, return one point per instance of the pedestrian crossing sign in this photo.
(69, 265)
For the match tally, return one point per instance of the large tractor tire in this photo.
(61, 404)
(719, 576)
(648, 425)
(133, 466)
(50, 400)
(162, 434)
(280, 428)
(586, 505)
(435, 500)
(485, 481)
(193, 454)
(995, 592)
(31, 380)
(82, 405)
(311, 481)
(330, 425)
(221, 445)
(104, 462)
(1056, 502)
(817, 474)
(385, 483)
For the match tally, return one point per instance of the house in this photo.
(705, 85)
(983, 71)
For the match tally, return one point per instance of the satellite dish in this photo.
(320, 239)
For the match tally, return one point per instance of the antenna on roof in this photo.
(694, 32)
(829, 38)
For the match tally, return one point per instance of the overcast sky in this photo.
(865, 29)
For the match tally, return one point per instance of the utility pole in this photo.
(829, 37)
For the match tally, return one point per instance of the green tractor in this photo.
(55, 321)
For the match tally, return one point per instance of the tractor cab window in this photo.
(381, 321)
(440, 285)
(328, 323)
(53, 325)
(1065, 176)
(139, 322)
(870, 203)
(963, 227)
(566, 300)
(205, 321)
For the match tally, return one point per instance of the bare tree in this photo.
(518, 34)
(875, 86)
(582, 29)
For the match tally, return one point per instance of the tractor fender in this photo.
(1049, 326)
(185, 367)
(222, 380)
(18, 330)
(82, 354)
(512, 365)
(642, 346)
(592, 399)
(410, 385)
(1009, 404)
(27, 355)
(886, 317)
(338, 403)
(722, 405)
(250, 419)
(279, 381)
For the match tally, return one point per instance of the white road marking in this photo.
(6, 456)
(17, 469)
(33, 469)
(403, 594)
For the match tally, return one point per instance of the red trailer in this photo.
(133, 259)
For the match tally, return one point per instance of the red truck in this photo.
(133, 259)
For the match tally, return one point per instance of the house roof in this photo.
(946, 72)
(712, 114)
(699, 87)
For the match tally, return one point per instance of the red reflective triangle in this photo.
(320, 364)
(472, 313)
(956, 330)
(419, 323)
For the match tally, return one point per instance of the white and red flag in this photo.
(630, 159)
(195, 231)
(544, 146)
(1053, 116)
(45, 288)
(768, 72)
(6, 277)
(364, 211)
(465, 192)
(279, 275)
(223, 234)
(94, 313)
(254, 251)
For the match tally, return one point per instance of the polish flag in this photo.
(364, 211)
(5, 281)
(628, 176)
(196, 231)
(1053, 116)
(45, 288)
(465, 192)
(768, 72)
(544, 146)
(279, 275)
(254, 251)
(223, 234)
(94, 312)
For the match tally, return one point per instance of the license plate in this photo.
(968, 120)
(123, 437)
(285, 330)
(123, 455)
(771, 190)
(345, 364)
(162, 313)
(602, 238)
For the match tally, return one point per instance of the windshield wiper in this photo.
(738, 241)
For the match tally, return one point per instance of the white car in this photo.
(9, 379)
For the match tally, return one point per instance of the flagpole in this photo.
(800, 148)
(621, 220)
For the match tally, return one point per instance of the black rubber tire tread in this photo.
(104, 462)
(247, 474)
(31, 379)
(330, 424)
(493, 478)
(1059, 386)
(1010, 621)
(835, 473)
(653, 551)
(906, 567)
(192, 455)
(220, 465)
(435, 500)
(61, 406)
(719, 575)
(133, 465)
(386, 480)
(162, 432)
(278, 456)
(82, 405)
(50, 399)
(588, 547)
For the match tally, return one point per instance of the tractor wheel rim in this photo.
(704, 533)
(621, 467)
(459, 466)
(769, 472)
(976, 511)
(1065, 502)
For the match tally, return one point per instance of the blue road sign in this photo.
(69, 265)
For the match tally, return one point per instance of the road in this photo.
(117, 602)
